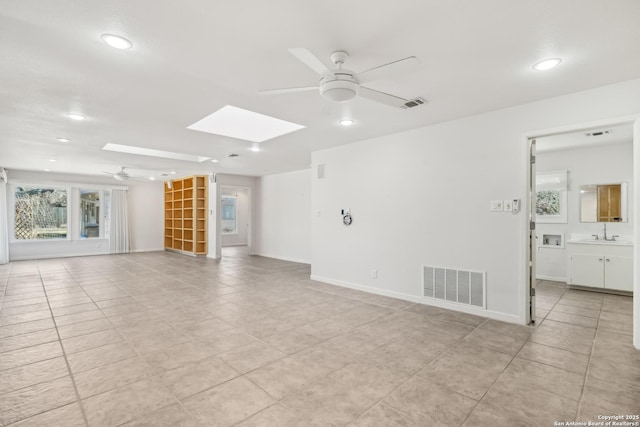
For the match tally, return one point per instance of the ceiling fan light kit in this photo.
(339, 88)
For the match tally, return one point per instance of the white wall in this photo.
(242, 219)
(283, 229)
(145, 218)
(422, 198)
(604, 164)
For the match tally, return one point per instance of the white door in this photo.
(586, 270)
(618, 273)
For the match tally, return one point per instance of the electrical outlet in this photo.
(496, 206)
(374, 274)
(508, 205)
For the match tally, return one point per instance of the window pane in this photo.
(548, 202)
(41, 213)
(228, 215)
(89, 213)
(106, 212)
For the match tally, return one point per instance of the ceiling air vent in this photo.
(233, 155)
(599, 133)
(412, 103)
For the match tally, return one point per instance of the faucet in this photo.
(613, 237)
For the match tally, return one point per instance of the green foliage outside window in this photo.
(548, 202)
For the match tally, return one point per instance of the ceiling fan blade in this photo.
(385, 98)
(396, 67)
(310, 60)
(287, 90)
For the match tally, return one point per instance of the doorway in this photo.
(235, 220)
(560, 162)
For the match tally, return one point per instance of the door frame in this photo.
(526, 236)
(249, 211)
(219, 196)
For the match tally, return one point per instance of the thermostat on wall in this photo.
(346, 216)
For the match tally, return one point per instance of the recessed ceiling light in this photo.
(117, 42)
(238, 123)
(215, 160)
(52, 160)
(346, 122)
(47, 170)
(76, 116)
(151, 178)
(547, 64)
(255, 147)
(63, 139)
(172, 172)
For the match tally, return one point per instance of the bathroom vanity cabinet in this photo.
(607, 265)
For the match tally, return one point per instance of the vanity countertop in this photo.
(600, 242)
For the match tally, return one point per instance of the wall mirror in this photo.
(604, 203)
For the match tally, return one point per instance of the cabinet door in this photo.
(618, 273)
(586, 270)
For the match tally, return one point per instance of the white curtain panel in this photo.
(119, 233)
(4, 224)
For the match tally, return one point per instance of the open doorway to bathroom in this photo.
(235, 224)
(582, 186)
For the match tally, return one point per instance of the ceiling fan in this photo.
(123, 175)
(341, 84)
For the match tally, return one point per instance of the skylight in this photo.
(130, 149)
(237, 123)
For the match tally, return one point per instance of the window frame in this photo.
(12, 212)
(562, 189)
(101, 192)
(73, 213)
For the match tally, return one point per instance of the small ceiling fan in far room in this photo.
(123, 175)
(341, 84)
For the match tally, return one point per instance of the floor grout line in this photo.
(246, 283)
(64, 355)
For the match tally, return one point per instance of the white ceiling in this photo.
(191, 58)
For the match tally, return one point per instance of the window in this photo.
(551, 197)
(40, 213)
(89, 213)
(548, 202)
(229, 215)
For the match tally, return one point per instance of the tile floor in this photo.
(159, 339)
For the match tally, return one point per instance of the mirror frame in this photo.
(624, 203)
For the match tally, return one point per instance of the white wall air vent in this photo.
(454, 285)
(412, 103)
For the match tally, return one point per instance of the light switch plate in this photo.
(496, 206)
(507, 205)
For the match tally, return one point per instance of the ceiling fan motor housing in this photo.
(340, 87)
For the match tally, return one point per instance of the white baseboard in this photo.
(496, 315)
(283, 258)
(551, 278)
(147, 250)
(78, 254)
(50, 256)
